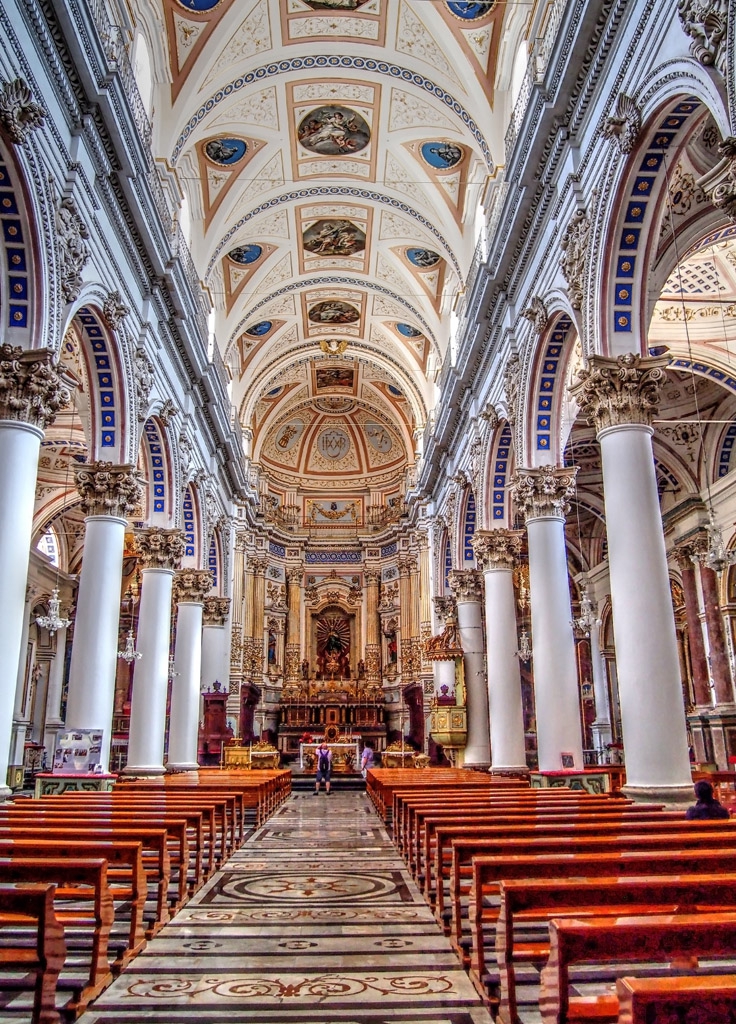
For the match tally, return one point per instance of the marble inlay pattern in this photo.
(315, 919)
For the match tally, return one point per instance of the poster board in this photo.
(77, 752)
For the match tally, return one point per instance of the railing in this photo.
(535, 70)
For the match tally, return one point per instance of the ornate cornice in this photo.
(215, 610)
(19, 114)
(30, 388)
(108, 490)
(466, 584)
(625, 390)
(497, 549)
(192, 585)
(544, 492)
(160, 549)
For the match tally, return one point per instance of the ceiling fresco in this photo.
(333, 157)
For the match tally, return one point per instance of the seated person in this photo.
(707, 805)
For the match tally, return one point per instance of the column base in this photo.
(144, 770)
(182, 766)
(511, 770)
(679, 795)
(477, 766)
(5, 793)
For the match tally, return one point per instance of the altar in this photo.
(345, 756)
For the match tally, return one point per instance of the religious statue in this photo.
(361, 669)
(305, 669)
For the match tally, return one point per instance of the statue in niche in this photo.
(305, 669)
(333, 647)
(361, 669)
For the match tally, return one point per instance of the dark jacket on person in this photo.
(705, 809)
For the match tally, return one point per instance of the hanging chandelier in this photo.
(525, 648)
(588, 617)
(716, 556)
(53, 620)
(130, 654)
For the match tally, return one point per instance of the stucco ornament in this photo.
(536, 313)
(705, 21)
(159, 548)
(19, 114)
(108, 490)
(143, 373)
(72, 234)
(114, 310)
(512, 380)
(544, 492)
(575, 246)
(719, 183)
(192, 585)
(625, 390)
(30, 388)
(623, 126)
(497, 549)
(216, 610)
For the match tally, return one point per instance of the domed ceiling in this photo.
(332, 157)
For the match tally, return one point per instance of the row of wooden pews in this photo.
(578, 887)
(86, 878)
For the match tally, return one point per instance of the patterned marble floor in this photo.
(316, 920)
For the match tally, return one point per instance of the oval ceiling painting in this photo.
(245, 254)
(334, 238)
(225, 151)
(258, 330)
(333, 130)
(470, 10)
(422, 257)
(441, 155)
(199, 6)
(333, 311)
(408, 331)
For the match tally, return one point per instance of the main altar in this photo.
(343, 712)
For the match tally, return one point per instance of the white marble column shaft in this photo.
(54, 723)
(467, 588)
(504, 675)
(601, 726)
(185, 688)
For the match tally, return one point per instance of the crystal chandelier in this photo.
(53, 620)
(172, 667)
(130, 653)
(525, 648)
(716, 556)
(588, 617)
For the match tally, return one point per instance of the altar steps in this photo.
(344, 782)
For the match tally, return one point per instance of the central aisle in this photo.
(315, 919)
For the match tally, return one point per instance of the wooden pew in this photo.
(686, 838)
(489, 872)
(710, 997)
(231, 826)
(458, 847)
(605, 940)
(537, 901)
(32, 905)
(75, 881)
(125, 875)
(381, 783)
(437, 847)
(174, 824)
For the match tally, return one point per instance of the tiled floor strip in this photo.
(314, 919)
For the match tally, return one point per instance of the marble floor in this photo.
(315, 919)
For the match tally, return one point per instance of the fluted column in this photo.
(406, 652)
(294, 577)
(109, 493)
(259, 605)
(215, 611)
(237, 626)
(190, 588)
(31, 394)
(719, 663)
(372, 578)
(467, 587)
(416, 654)
(620, 397)
(541, 495)
(699, 663)
(496, 552)
(160, 552)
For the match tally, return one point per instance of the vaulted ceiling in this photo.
(332, 157)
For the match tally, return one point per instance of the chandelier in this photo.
(525, 648)
(130, 653)
(53, 620)
(716, 556)
(588, 617)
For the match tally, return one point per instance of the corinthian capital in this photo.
(544, 492)
(612, 392)
(192, 585)
(258, 566)
(466, 584)
(108, 490)
(372, 577)
(30, 388)
(215, 610)
(497, 549)
(160, 549)
(406, 565)
(294, 575)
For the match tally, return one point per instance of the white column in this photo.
(467, 587)
(53, 723)
(495, 551)
(160, 551)
(190, 590)
(94, 651)
(601, 727)
(541, 495)
(108, 494)
(620, 396)
(20, 706)
(215, 654)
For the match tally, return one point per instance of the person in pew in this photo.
(707, 805)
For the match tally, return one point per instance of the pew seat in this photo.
(35, 967)
(706, 997)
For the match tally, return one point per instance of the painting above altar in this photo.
(333, 647)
